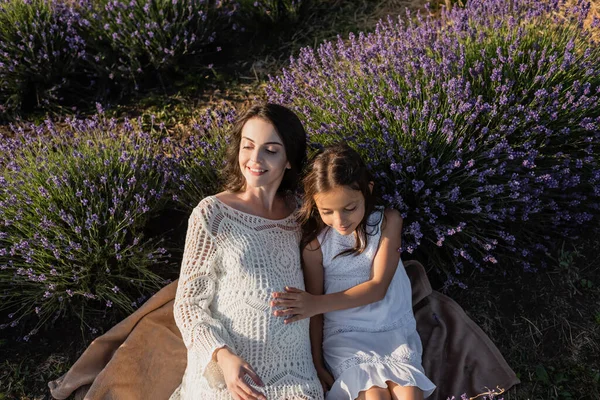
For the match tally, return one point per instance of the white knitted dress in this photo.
(369, 345)
(232, 263)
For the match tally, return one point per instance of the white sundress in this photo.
(369, 345)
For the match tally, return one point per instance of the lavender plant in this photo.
(151, 37)
(74, 204)
(199, 158)
(62, 52)
(40, 45)
(271, 11)
(482, 127)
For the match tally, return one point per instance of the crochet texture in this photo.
(232, 263)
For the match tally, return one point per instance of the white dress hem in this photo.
(365, 376)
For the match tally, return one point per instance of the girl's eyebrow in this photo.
(247, 138)
(346, 206)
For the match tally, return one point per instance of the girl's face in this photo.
(341, 208)
(262, 155)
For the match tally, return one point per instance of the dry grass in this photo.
(547, 324)
(594, 13)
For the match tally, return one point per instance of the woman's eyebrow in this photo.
(247, 138)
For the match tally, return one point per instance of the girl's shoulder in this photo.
(392, 219)
(312, 253)
(375, 220)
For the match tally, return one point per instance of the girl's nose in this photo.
(341, 221)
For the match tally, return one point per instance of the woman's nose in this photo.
(255, 156)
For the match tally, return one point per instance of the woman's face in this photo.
(262, 155)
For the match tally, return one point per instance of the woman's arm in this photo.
(202, 334)
(195, 291)
(302, 305)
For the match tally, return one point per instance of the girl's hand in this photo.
(326, 378)
(234, 370)
(295, 304)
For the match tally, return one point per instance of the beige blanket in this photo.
(143, 357)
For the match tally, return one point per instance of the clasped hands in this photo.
(294, 304)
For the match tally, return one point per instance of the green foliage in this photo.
(558, 381)
(131, 40)
(201, 157)
(40, 47)
(74, 206)
(60, 53)
(26, 372)
(273, 12)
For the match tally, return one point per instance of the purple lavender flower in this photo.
(473, 125)
(58, 226)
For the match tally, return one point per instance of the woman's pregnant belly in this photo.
(274, 349)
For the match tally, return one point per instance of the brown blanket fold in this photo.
(143, 357)
(457, 355)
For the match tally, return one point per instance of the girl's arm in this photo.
(312, 262)
(300, 304)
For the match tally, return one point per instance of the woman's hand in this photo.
(295, 304)
(234, 370)
(325, 377)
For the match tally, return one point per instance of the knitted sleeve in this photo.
(202, 334)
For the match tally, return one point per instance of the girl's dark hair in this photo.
(292, 134)
(334, 166)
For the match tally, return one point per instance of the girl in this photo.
(350, 252)
(242, 245)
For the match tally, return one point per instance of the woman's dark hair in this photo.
(292, 134)
(334, 166)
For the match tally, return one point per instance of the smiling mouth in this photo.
(256, 171)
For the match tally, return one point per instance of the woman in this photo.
(241, 246)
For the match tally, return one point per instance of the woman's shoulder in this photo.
(227, 204)
(207, 207)
(206, 203)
